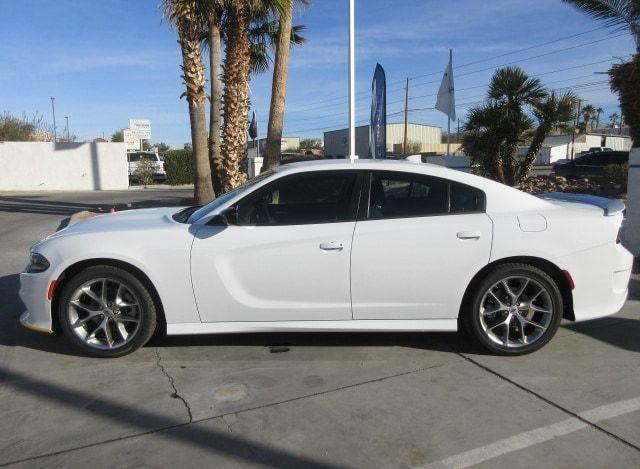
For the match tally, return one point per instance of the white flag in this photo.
(446, 101)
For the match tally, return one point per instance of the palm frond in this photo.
(620, 14)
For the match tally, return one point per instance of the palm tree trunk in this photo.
(215, 117)
(236, 100)
(278, 91)
(532, 152)
(193, 76)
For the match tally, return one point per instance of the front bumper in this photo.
(33, 293)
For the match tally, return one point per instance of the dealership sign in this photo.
(131, 142)
(140, 128)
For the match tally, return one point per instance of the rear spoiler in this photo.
(609, 206)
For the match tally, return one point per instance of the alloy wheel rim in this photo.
(104, 313)
(516, 311)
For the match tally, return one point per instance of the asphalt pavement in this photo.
(305, 400)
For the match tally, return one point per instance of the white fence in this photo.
(30, 166)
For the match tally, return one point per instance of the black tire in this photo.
(471, 314)
(147, 315)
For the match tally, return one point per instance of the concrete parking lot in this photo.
(306, 400)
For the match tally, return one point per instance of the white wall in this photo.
(28, 166)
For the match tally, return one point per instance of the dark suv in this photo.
(591, 164)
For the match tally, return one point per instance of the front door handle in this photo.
(469, 235)
(331, 246)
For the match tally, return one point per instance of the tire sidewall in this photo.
(472, 318)
(147, 310)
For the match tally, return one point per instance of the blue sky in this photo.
(110, 60)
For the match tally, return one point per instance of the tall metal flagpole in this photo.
(450, 103)
(352, 81)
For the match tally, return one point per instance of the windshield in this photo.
(224, 198)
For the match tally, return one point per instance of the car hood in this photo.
(127, 220)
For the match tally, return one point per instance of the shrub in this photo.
(617, 173)
(144, 172)
(179, 167)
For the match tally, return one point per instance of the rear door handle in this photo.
(334, 246)
(469, 235)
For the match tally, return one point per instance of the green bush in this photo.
(179, 167)
(617, 173)
(144, 172)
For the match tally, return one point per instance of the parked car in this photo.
(596, 149)
(591, 164)
(133, 158)
(335, 246)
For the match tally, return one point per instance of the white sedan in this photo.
(335, 246)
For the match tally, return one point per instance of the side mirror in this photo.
(228, 217)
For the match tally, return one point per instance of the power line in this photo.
(343, 113)
(326, 102)
(586, 86)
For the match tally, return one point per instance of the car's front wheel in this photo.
(106, 311)
(515, 309)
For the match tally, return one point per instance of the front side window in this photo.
(307, 198)
(405, 195)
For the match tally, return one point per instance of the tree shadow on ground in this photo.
(211, 440)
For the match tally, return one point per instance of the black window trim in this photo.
(365, 215)
(354, 200)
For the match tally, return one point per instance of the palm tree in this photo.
(624, 77)
(212, 13)
(551, 111)
(279, 88)
(236, 70)
(587, 114)
(613, 118)
(619, 14)
(184, 16)
(494, 129)
(598, 112)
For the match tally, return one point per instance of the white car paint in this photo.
(400, 274)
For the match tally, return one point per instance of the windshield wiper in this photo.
(183, 215)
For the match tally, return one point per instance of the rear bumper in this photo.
(33, 293)
(601, 276)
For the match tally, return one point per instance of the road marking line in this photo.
(536, 436)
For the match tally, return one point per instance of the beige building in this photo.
(288, 144)
(421, 139)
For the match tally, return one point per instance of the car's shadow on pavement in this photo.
(282, 341)
(623, 333)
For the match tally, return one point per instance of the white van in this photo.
(134, 157)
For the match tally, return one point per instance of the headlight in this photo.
(37, 263)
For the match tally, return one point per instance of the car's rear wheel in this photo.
(106, 311)
(515, 309)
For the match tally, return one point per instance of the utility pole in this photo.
(458, 135)
(406, 117)
(53, 109)
(575, 127)
(66, 118)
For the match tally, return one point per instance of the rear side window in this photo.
(465, 199)
(133, 157)
(312, 198)
(405, 195)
